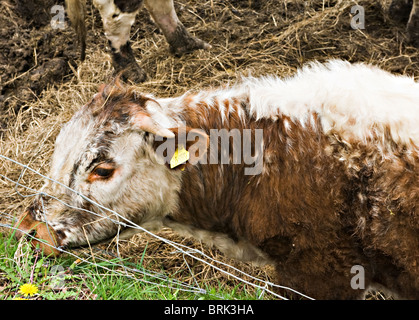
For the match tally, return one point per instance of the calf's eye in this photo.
(102, 171)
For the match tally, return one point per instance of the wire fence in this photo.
(122, 269)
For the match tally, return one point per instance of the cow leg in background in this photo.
(179, 39)
(413, 25)
(118, 16)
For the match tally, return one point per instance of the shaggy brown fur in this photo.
(314, 216)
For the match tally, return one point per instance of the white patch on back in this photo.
(351, 99)
(357, 101)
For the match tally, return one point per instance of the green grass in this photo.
(66, 277)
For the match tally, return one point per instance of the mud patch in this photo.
(33, 55)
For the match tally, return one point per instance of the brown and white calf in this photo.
(118, 16)
(338, 184)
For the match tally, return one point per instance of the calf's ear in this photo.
(188, 147)
(177, 147)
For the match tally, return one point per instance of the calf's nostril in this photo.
(38, 233)
(32, 233)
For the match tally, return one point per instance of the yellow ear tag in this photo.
(181, 156)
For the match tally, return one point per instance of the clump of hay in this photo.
(248, 37)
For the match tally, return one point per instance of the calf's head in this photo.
(106, 153)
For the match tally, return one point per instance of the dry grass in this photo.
(275, 37)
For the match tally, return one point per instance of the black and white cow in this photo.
(119, 15)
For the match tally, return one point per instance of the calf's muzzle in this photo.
(43, 236)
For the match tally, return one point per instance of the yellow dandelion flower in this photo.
(28, 289)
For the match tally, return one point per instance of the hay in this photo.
(247, 36)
